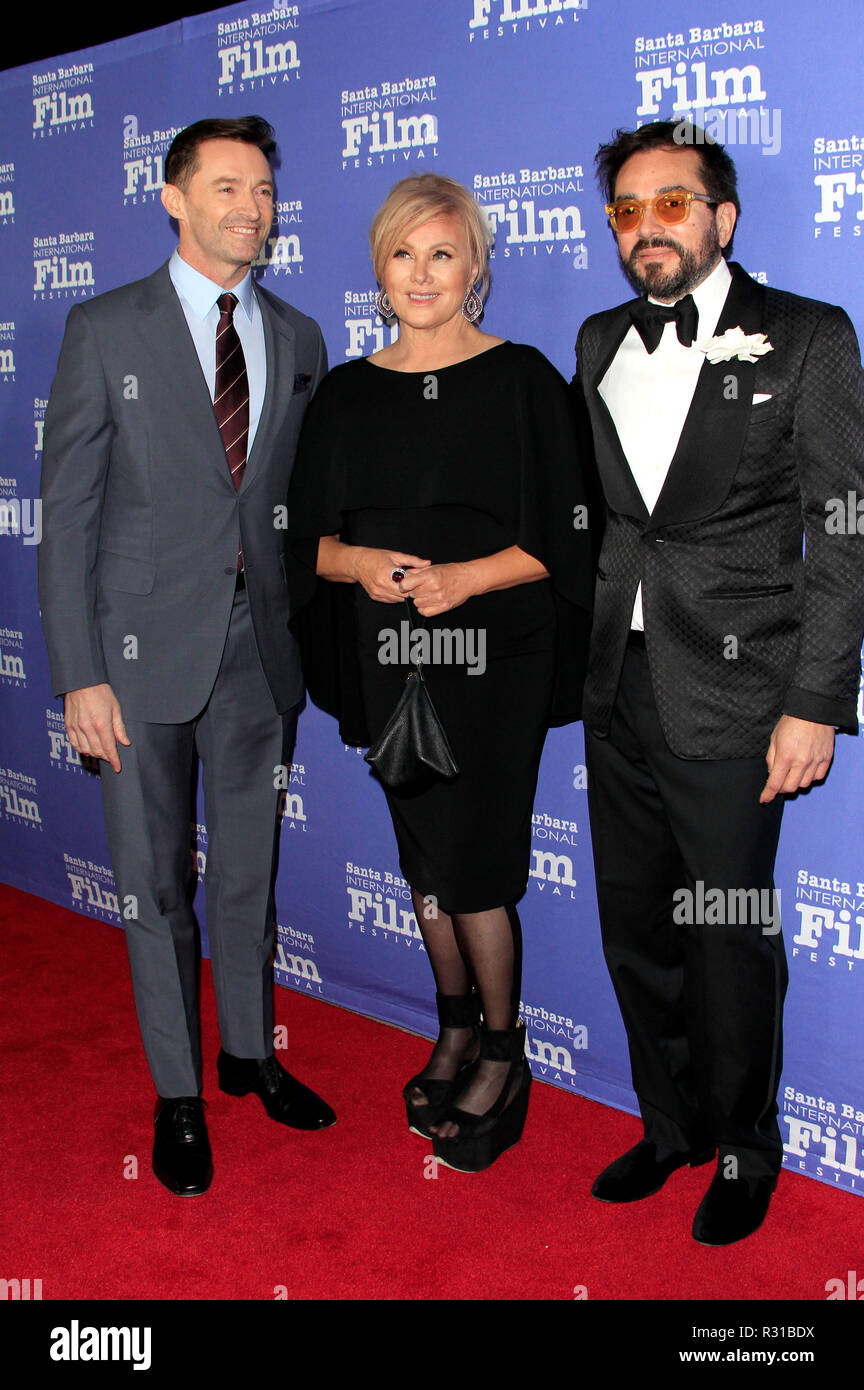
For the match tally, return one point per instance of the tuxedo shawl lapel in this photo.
(703, 466)
(280, 349)
(619, 485)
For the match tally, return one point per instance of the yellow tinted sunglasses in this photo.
(670, 208)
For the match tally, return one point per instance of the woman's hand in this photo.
(434, 588)
(438, 588)
(374, 569)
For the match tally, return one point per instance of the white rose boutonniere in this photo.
(735, 343)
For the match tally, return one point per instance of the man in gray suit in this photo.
(169, 442)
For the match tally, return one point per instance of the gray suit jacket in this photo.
(140, 519)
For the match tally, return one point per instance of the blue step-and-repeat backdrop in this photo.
(512, 98)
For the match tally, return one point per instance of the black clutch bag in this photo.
(412, 749)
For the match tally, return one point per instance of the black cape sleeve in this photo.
(557, 517)
(322, 613)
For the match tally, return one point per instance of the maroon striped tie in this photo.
(231, 394)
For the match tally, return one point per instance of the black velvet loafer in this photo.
(732, 1208)
(640, 1172)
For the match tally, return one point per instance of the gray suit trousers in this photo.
(149, 809)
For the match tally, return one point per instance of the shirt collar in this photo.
(710, 294)
(201, 293)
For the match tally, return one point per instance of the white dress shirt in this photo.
(198, 297)
(649, 395)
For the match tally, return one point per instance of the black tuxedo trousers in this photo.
(701, 999)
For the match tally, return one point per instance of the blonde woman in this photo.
(444, 469)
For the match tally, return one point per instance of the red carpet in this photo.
(345, 1214)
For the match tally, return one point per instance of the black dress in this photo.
(450, 465)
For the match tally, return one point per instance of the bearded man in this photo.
(725, 652)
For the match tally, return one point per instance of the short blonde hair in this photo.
(421, 198)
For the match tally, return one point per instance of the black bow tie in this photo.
(650, 320)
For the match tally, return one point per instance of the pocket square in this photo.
(301, 381)
(760, 397)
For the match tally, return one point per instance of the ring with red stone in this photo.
(397, 575)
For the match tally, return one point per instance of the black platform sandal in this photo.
(483, 1138)
(454, 1011)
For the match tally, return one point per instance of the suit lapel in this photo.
(619, 485)
(709, 448)
(163, 327)
(279, 347)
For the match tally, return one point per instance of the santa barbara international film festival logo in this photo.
(19, 799)
(7, 350)
(367, 332)
(552, 838)
(830, 921)
(7, 194)
(709, 78)
(62, 101)
(838, 165)
(534, 212)
(823, 1137)
(282, 253)
(199, 841)
(380, 906)
(63, 266)
(498, 19)
(258, 51)
(92, 889)
(62, 757)
(40, 405)
(552, 1039)
(294, 961)
(290, 782)
(389, 122)
(12, 672)
(144, 161)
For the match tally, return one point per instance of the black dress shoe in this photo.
(181, 1148)
(732, 1208)
(285, 1099)
(640, 1172)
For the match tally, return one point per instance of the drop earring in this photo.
(383, 305)
(472, 305)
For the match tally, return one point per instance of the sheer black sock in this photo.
(452, 977)
(491, 943)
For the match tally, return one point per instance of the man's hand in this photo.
(94, 723)
(799, 753)
(439, 588)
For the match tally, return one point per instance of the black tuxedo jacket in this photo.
(743, 622)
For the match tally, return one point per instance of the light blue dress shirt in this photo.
(198, 297)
